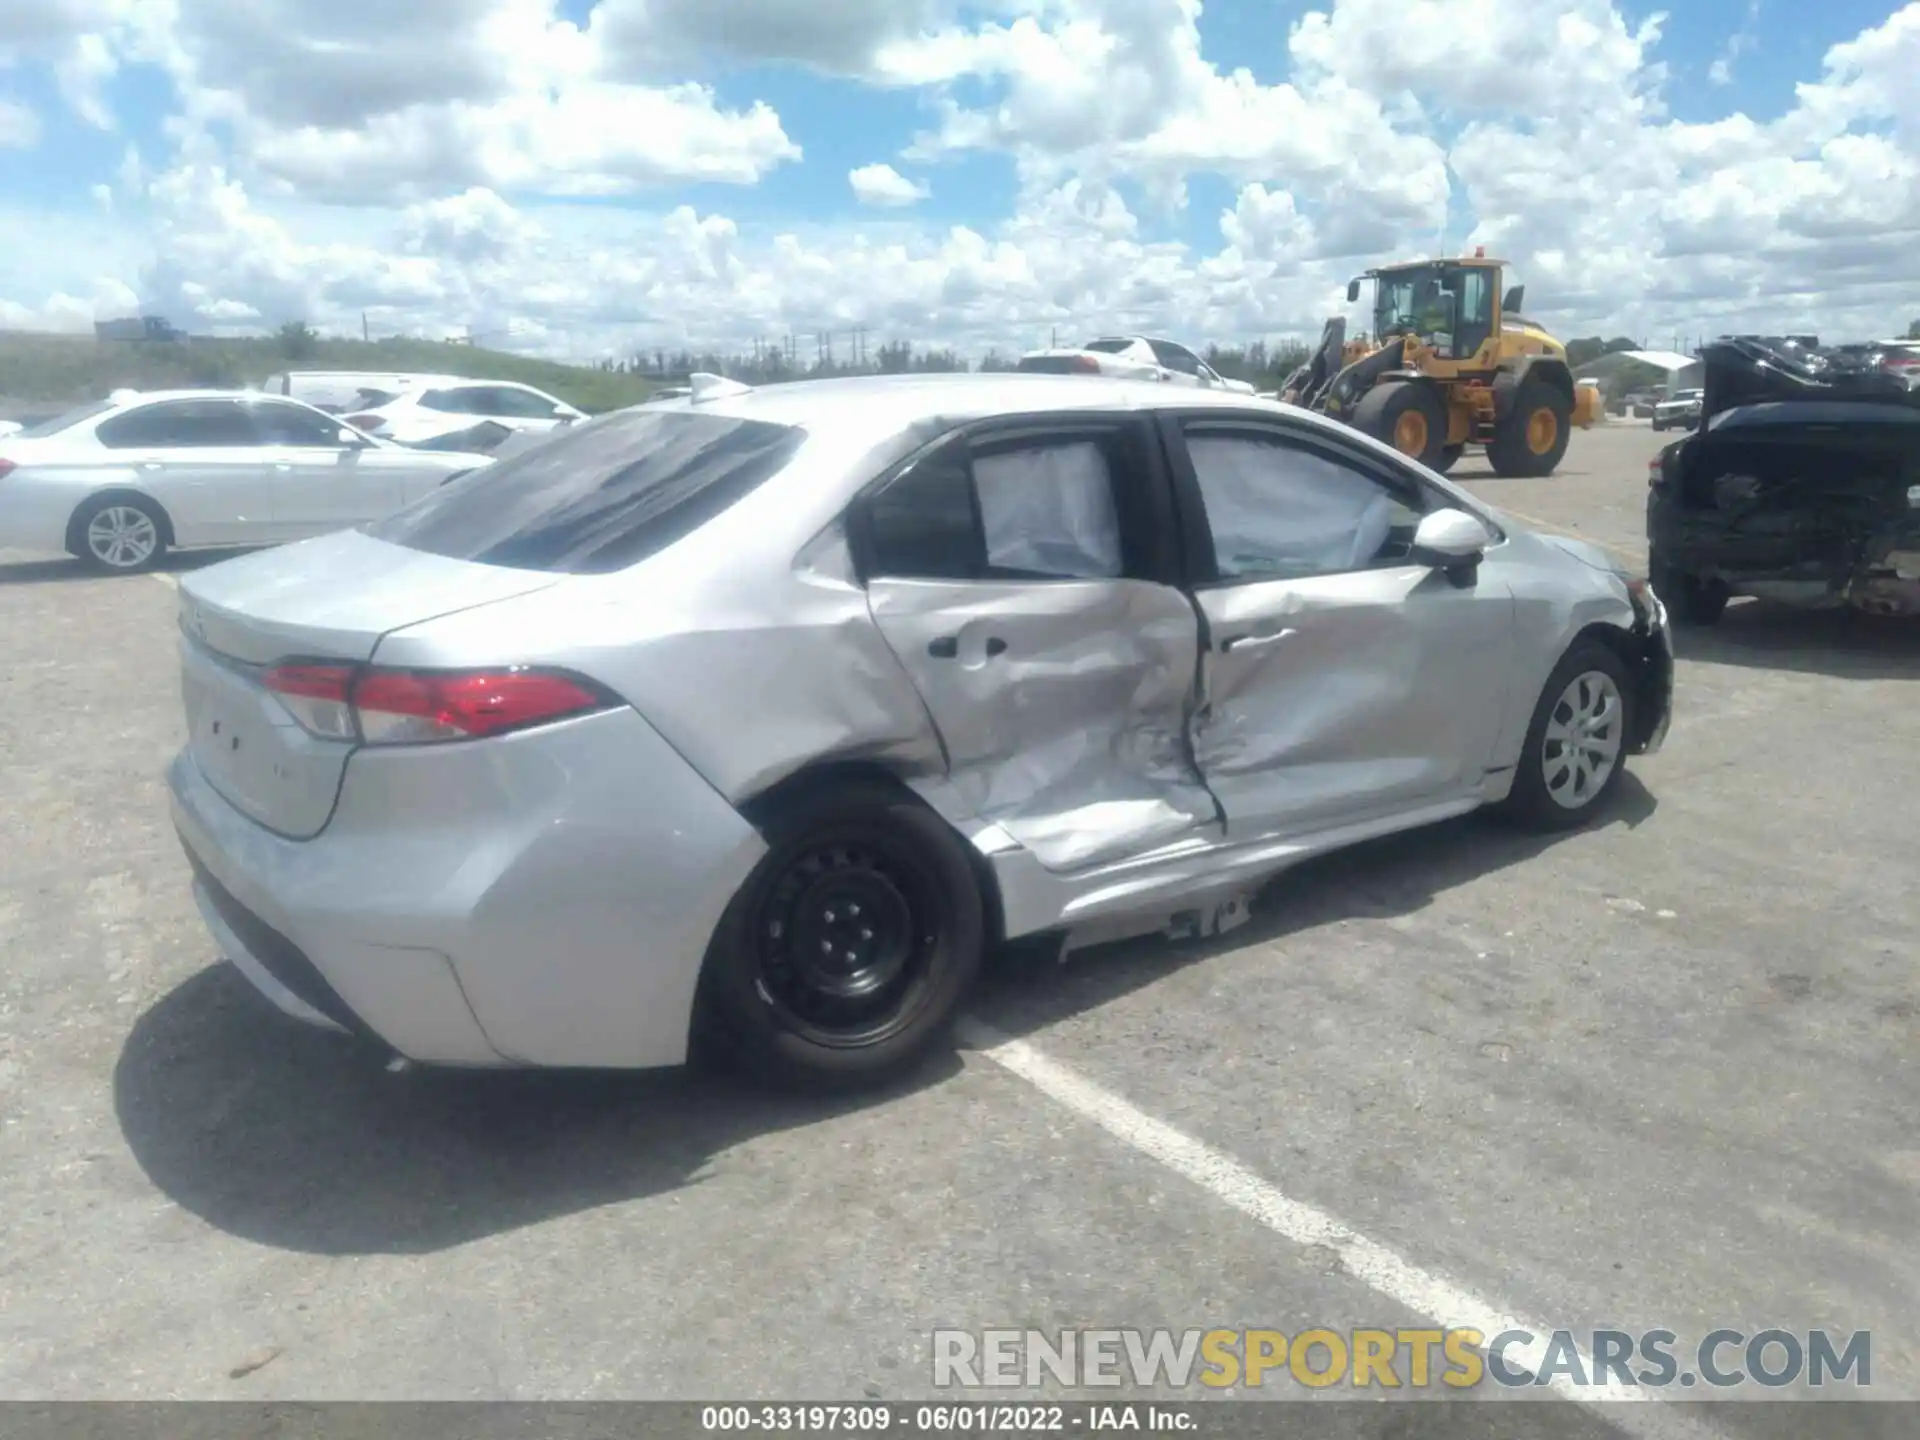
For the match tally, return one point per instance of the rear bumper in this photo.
(540, 899)
(34, 515)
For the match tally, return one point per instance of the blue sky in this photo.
(1335, 159)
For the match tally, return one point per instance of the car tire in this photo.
(118, 534)
(1694, 600)
(1409, 415)
(1522, 446)
(1560, 747)
(769, 1002)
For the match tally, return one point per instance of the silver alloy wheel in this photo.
(1583, 739)
(122, 537)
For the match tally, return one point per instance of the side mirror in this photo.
(1450, 540)
(1353, 291)
(1516, 297)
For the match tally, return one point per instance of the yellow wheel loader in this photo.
(1452, 364)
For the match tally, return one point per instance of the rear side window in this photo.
(447, 402)
(180, 425)
(1041, 508)
(600, 496)
(64, 422)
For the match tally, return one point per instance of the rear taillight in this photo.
(1656, 470)
(416, 707)
(1901, 362)
(7, 467)
(1085, 364)
(369, 423)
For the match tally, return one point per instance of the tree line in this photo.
(1263, 365)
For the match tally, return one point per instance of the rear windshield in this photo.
(1109, 347)
(599, 496)
(65, 422)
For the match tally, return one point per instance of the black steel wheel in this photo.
(847, 953)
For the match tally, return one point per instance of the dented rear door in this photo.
(1012, 575)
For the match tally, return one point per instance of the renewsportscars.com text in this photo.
(1400, 1358)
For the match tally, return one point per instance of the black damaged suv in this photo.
(1801, 485)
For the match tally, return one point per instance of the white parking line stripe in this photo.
(1373, 1264)
(165, 579)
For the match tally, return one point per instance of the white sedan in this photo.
(1133, 357)
(120, 482)
(425, 410)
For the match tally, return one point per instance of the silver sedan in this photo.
(748, 721)
(120, 482)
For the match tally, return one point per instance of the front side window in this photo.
(599, 496)
(1176, 357)
(447, 402)
(1041, 508)
(180, 425)
(296, 425)
(521, 404)
(1276, 510)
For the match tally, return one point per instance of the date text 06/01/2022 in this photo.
(943, 1419)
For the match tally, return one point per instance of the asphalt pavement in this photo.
(1655, 1074)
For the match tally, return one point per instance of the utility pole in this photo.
(366, 331)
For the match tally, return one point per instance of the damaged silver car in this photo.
(750, 720)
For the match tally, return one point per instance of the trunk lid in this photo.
(332, 598)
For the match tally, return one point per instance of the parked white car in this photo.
(426, 409)
(338, 391)
(120, 482)
(1132, 357)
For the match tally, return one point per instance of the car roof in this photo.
(126, 399)
(887, 404)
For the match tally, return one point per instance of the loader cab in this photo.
(1451, 306)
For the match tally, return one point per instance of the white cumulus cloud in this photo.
(884, 186)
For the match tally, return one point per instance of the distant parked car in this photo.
(1681, 411)
(753, 720)
(337, 391)
(120, 482)
(1132, 357)
(421, 412)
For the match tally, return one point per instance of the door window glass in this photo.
(450, 402)
(924, 526)
(1041, 508)
(179, 425)
(1047, 509)
(292, 425)
(1175, 357)
(1278, 511)
(521, 404)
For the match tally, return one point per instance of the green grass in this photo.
(60, 370)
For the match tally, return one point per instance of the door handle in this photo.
(947, 647)
(1253, 642)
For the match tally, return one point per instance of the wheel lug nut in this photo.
(853, 910)
(830, 917)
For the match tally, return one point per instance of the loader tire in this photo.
(1448, 455)
(1408, 415)
(1532, 440)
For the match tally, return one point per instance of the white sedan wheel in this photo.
(122, 537)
